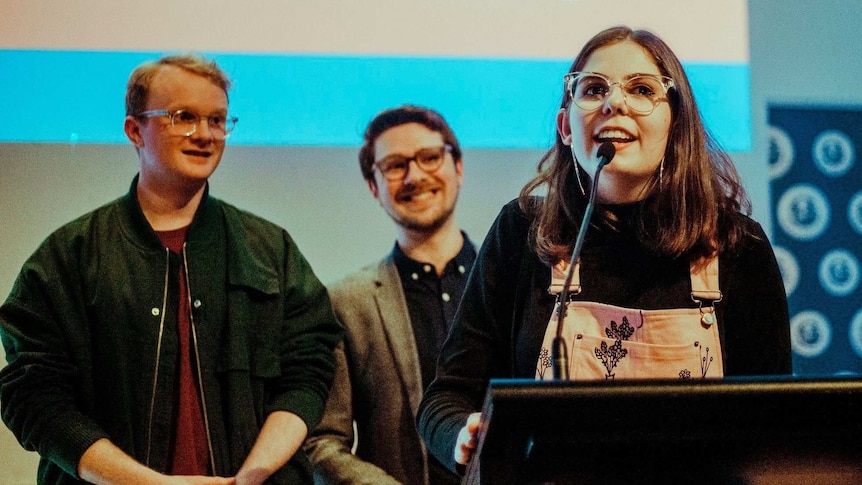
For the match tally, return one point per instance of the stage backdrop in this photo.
(817, 209)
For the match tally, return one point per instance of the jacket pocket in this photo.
(253, 332)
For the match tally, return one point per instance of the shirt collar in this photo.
(464, 259)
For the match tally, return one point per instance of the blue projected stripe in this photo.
(78, 97)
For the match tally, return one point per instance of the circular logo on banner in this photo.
(833, 153)
(803, 212)
(856, 333)
(781, 152)
(854, 212)
(839, 272)
(810, 333)
(789, 268)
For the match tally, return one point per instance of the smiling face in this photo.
(420, 201)
(640, 140)
(172, 161)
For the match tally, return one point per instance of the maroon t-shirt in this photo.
(191, 454)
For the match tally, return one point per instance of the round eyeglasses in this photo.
(185, 123)
(395, 167)
(641, 92)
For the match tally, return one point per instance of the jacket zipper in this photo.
(198, 361)
(158, 356)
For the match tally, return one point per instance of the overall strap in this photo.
(558, 278)
(704, 287)
(704, 284)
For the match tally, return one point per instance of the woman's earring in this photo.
(661, 175)
(578, 176)
(577, 170)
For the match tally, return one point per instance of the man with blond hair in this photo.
(168, 337)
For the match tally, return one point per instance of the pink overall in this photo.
(607, 342)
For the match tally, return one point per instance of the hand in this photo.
(247, 476)
(199, 480)
(467, 439)
(280, 437)
(103, 463)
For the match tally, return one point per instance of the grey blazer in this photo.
(378, 384)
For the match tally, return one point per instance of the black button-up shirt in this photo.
(432, 300)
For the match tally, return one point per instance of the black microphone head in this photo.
(607, 150)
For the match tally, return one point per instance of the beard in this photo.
(426, 222)
(423, 224)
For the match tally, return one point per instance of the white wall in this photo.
(802, 51)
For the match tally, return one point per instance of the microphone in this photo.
(606, 152)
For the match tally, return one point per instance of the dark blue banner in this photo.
(816, 184)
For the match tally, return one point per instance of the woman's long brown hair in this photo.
(691, 213)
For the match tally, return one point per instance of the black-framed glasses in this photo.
(394, 167)
(185, 123)
(641, 92)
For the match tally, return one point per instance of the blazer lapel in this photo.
(391, 302)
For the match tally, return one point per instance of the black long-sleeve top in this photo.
(500, 324)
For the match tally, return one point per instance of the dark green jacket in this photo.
(90, 336)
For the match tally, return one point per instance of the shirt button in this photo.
(155, 312)
(461, 268)
(446, 297)
(414, 276)
(197, 303)
(427, 268)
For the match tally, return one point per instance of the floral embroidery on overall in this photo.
(705, 362)
(544, 362)
(611, 355)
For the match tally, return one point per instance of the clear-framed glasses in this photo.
(641, 92)
(394, 167)
(185, 123)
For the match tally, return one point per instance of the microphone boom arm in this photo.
(559, 352)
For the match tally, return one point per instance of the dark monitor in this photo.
(730, 431)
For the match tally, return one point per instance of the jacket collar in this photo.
(138, 230)
(214, 219)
